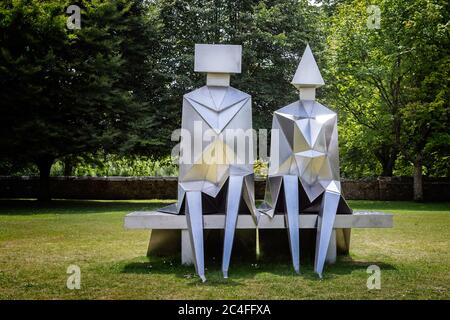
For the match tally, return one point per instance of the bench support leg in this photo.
(164, 243)
(332, 249)
(187, 257)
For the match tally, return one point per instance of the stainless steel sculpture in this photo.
(304, 164)
(216, 173)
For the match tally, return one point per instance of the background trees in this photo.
(115, 85)
(390, 83)
(367, 67)
(68, 92)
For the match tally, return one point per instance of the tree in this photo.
(385, 79)
(426, 118)
(367, 70)
(63, 91)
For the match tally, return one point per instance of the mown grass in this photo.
(38, 243)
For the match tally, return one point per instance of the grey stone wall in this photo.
(382, 188)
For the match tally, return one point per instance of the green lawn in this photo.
(37, 244)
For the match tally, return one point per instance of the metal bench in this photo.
(163, 221)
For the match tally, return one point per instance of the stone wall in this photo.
(383, 188)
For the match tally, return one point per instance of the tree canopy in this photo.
(390, 83)
(66, 91)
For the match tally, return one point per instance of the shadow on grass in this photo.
(242, 271)
(173, 266)
(346, 265)
(32, 207)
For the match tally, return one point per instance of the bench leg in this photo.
(343, 241)
(187, 254)
(332, 249)
(164, 243)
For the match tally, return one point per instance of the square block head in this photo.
(218, 58)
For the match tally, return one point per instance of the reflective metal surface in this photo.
(292, 209)
(219, 164)
(304, 162)
(194, 217)
(219, 58)
(325, 223)
(233, 200)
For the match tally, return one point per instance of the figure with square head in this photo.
(216, 168)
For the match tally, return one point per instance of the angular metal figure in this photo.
(216, 164)
(304, 164)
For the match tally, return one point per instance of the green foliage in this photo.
(107, 165)
(114, 165)
(68, 91)
(260, 168)
(390, 85)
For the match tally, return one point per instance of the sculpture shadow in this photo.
(346, 265)
(272, 256)
(173, 266)
(241, 270)
(343, 265)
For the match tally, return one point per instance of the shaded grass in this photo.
(38, 243)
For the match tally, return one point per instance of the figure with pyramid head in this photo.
(219, 179)
(304, 164)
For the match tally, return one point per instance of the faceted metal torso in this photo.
(306, 147)
(217, 164)
(217, 109)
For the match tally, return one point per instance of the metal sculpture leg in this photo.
(233, 200)
(325, 224)
(194, 217)
(290, 183)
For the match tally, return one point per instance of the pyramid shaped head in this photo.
(307, 74)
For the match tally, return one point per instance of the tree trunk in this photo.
(68, 167)
(44, 165)
(388, 167)
(418, 185)
(386, 155)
